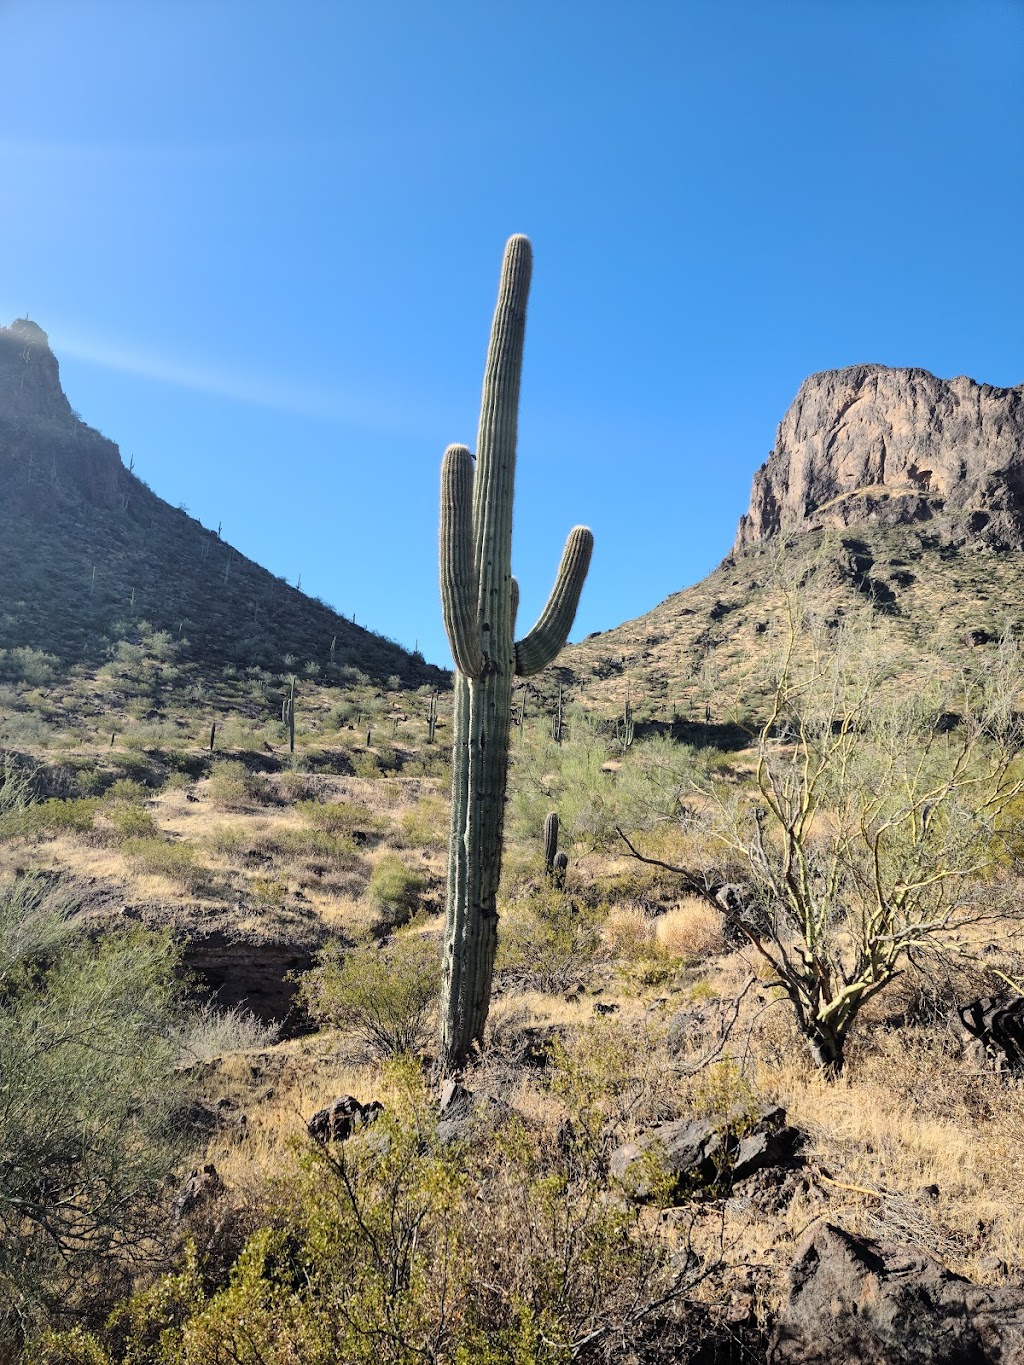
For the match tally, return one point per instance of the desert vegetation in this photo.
(346, 1016)
(668, 978)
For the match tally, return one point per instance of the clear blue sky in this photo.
(264, 239)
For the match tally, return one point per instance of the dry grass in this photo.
(692, 930)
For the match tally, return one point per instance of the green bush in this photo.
(31, 666)
(340, 817)
(394, 892)
(384, 996)
(178, 862)
(425, 825)
(233, 787)
(547, 943)
(398, 1248)
(45, 819)
(91, 1101)
(132, 822)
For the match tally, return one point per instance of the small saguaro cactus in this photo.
(555, 863)
(550, 841)
(289, 715)
(480, 598)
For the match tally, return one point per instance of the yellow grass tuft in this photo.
(693, 930)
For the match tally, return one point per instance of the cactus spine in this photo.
(479, 598)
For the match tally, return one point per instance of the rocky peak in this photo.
(29, 375)
(874, 444)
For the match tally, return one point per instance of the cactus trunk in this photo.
(479, 597)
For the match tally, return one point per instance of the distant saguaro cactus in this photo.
(480, 597)
(289, 715)
(550, 841)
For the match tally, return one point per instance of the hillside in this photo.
(89, 555)
(886, 488)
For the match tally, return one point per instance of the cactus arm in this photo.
(540, 647)
(515, 601)
(459, 590)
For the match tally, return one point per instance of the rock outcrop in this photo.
(874, 444)
(852, 1299)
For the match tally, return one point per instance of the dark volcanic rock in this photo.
(852, 1299)
(259, 975)
(871, 443)
(201, 1186)
(342, 1118)
(704, 1152)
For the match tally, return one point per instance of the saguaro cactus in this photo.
(550, 841)
(480, 597)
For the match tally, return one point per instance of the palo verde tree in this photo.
(873, 833)
(880, 817)
(479, 598)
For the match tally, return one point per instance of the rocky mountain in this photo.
(88, 552)
(888, 489)
(875, 445)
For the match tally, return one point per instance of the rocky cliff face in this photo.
(42, 440)
(871, 444)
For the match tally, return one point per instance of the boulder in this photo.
(199, 1188)
(704, 1153)
(342, 1118)
(853, 1299)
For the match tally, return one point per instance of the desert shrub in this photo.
(233, 787)
(692, 930)
(181, 761)
(366, 765)
(26, 731)
(45, 819)
(178, 862)
(299, 786)
(230, 841)
(380, 1259)
(340, 817)
(16, 789)
(629, 930)
(32, 666)
(320, 844)
(383, 996)
(209, 1031)
(139, 768)
(132, 822)
(90, 1099)
(127, 789)
(394, 892)
(546, 943)
(425, 825)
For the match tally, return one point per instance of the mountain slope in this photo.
(887, 490)
(88, 551)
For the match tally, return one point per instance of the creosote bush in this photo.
(394, 1247)
(89, 1124)
(384, 997)
(394, 892)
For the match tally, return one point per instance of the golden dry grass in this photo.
(692, 930)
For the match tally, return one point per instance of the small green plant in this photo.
(425, 825)
(178, 862)
(233, 787)
(394, 892)
(132, 822)
(46, 819)
(385, 997)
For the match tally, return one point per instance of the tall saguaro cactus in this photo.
(480, 597)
